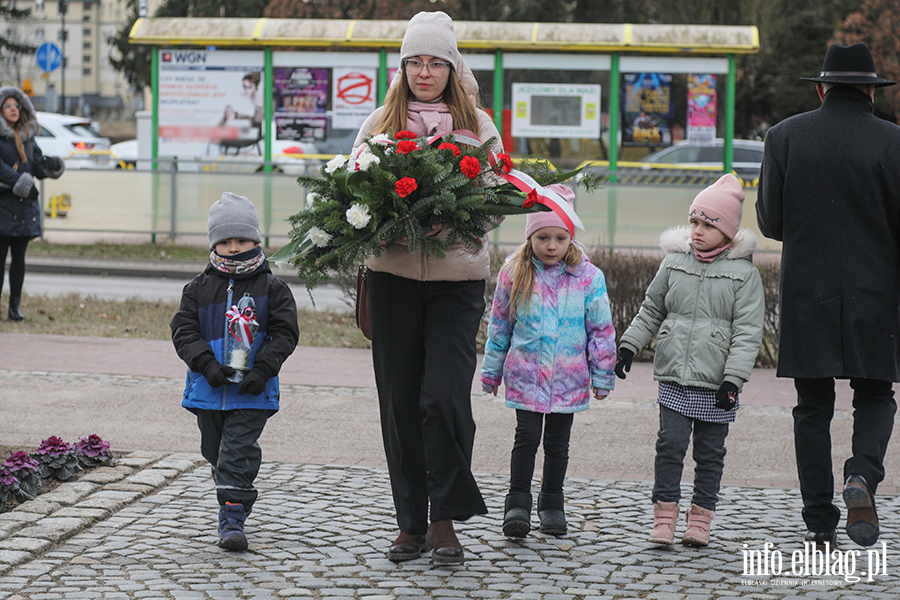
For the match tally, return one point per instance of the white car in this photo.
(74, 140)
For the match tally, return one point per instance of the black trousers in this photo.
(228, 440)
(423, 348)
(873, 420)
(18, 245)
(557, 428)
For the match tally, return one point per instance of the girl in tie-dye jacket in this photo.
(551, 339)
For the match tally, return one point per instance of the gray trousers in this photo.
(671, 446)
(228, 440)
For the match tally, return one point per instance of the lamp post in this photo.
(63, 8)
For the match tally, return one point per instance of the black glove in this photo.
(254, 383)
(33, 194)
(727, 396)
(623, 365)
(52, 163)
(216, 373)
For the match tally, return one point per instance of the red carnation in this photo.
(405, 187)
(451, 147)
(406, 146)
(470, 167)
(507, 162)
(530, 199)
(405, 135)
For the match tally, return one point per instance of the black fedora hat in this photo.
(849, 65)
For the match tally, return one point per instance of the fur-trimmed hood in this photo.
(26, 107)
(677, 240)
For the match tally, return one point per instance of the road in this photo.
(327, 297)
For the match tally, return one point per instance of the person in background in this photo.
(21, 162)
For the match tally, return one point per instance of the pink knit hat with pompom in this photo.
(721, 205)
(539, 220)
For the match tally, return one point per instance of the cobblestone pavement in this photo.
(320, 531)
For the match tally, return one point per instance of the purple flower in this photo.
(54, 447)
(7, 479)
(21, 462)
(92, 446)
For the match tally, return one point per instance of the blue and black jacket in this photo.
(199, 330)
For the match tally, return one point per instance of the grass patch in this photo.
(75, 314)
(122, 251)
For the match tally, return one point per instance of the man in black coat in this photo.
(829, 189)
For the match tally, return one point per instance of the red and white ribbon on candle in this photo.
(243, 322)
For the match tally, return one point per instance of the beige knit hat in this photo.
(430, 34)
(720, 205)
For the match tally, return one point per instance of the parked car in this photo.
(747, 156)
(75, 140)
(126, 153)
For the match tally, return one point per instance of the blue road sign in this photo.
(48, 56)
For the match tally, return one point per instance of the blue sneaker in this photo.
(231, 527)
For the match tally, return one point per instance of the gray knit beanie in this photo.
(430, 34)
(233, 216)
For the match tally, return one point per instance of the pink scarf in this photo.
(710, 255)
(428, 118)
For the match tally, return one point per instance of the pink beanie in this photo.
(539, 220)
(720, 205)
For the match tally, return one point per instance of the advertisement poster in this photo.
(301, 102)
(647, 109)
(550, 110)
(210, 103)
(352, 96)
(701, 110)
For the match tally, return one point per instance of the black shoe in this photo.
(15, 312)
(862, 520)
(820, 538)
(552, 515)
(517, 515)
(408, 546)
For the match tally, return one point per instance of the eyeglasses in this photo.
(12, 105)
(435, 67)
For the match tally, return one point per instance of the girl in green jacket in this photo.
(705, 306)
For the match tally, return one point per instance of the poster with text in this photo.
(647, 109)
(301, 103)
(352, 96)
(551, 110)
(210, 103)
(701, 110)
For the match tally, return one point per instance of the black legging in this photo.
(557, 429)
(17, 266)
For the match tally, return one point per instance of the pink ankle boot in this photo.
(665, 516)
(698, 522)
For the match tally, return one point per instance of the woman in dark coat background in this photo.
(21, 161)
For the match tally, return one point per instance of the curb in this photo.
(38, 525)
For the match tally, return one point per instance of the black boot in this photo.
(15, 313)
(517, 515)
(551, 514)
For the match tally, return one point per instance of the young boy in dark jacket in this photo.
(236, 326)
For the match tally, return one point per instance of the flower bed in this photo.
(24, 475)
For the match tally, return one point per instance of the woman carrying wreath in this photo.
(425, 314)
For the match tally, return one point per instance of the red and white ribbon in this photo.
(243, 322)
(522, 181)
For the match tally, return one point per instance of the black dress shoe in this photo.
(862, 520)
(408, 546)
(820, 538)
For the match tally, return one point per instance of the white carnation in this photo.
(310, 199)
(335, 163)
(358, 215)
(319, 237)
(366, 160)
(381, 137)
